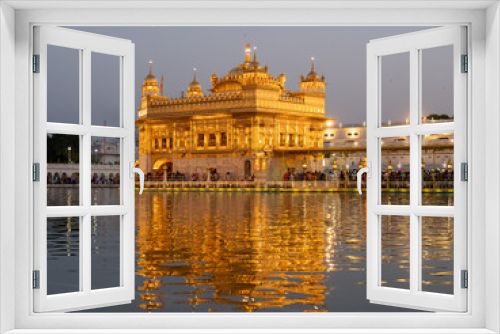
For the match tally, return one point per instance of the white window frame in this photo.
(413, 44)
(85, 44)
(481, 17)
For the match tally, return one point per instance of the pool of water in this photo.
(242, 252)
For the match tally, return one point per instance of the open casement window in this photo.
(72, 122)
(435, 259)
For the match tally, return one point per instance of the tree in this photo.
(438, 117)
(57, 148)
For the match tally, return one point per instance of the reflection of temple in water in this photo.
(254, 264)
(255, 252)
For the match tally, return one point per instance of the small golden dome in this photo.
(195, 82)
(312, 75)
(150, 76)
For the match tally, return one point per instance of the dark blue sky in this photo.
(340, 54)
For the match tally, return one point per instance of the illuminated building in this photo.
(249, 124)
(347, 146)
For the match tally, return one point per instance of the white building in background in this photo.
(347, 145)
(345, 136)
(105, 151)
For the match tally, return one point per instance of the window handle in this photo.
(366, 170)
(141, 175)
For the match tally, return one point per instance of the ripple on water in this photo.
(285, 252)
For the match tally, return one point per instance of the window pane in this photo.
(438, 169)
(63, 170)
(437, 84)
(437, 254)
(105, 171)
(395, 251)
(395, 167)
(105, 257)
(63, 85)
(105, 90)
(63, 255)
(395, 89)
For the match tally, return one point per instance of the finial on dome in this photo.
(254, 53)
(248, 56)
(194, 89)
(150, 75)
(312, 75)
(194, 82)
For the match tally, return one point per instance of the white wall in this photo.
(7, 157)
(493, 159)
(224, 17)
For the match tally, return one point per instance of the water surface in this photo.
(242, 252)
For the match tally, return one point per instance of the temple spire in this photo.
(248, 56)
(150, 86)
(195, 82)
(254, 53)
(194, 89)
(312, 64)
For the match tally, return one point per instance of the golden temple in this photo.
(248, 126)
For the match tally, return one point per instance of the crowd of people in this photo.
(75, 178)
(289, 175)
(212, 175)
(351, 175)
(327, 175)
(443, 175)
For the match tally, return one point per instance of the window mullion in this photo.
(86, 121)
(85, 253)
(415, 265)
(85, 233)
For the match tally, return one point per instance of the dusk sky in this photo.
(340, 53)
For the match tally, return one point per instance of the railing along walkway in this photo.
(330, 185)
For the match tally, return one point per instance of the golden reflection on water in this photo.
(437, 254)
(251, 252)
(259, 251)
(293, 252)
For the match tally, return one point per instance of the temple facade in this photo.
(248, 125)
